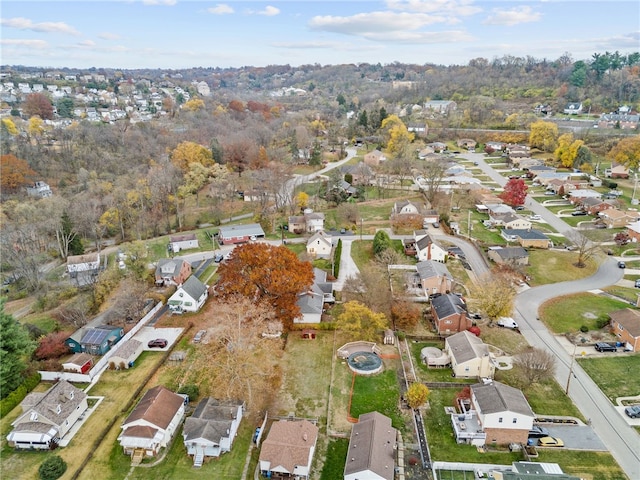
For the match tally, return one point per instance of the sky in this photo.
(175, 34)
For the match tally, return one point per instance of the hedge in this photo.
(15, 397)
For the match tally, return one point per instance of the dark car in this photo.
(605, 347)
(538, 432)
(632, 411)
(157, 343)
(435, 225)
(578, 213)
(622, 265)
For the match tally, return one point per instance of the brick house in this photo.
(526, 238)
(449, 314)
(172, 271)
(625, 324)
(614, 218)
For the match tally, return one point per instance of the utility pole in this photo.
(469, 225)
(573, 358)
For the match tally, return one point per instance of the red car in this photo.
(157, 343)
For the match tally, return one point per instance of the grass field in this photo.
(551, 266)
(616, 376)
(569, 313)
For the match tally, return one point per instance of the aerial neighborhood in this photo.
(347, 272)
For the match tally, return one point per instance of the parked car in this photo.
(218, 258)
(535, 217)
(507, 322)
(199, 336)
(632, 411)
(622, 265)
(538, 432)
(435, 224)
(519, 208)
(158, 343)
(578, 213)
(549, 193)
(637, 283)
(605, 347)
(550, 442)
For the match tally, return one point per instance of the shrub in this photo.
(15, 397)
(52, 346)
(52, 468)
(584, 329)
(193, 391)
(603, 321)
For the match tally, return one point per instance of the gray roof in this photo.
(242, 230)
(127, 349)
(511, 253)
(447, 305)
(371, 446)
(194, 287)
(211, 420)
(497, 397)
(57, 404)
(424, 242)
(431, 268)
(526, 234)
(169, 266)
(466, 346)
(310, 302)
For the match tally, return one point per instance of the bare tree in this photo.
(585, 248)
(535, 364)
(433, 173)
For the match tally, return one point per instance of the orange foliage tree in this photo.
(15, 173)
(266, 273)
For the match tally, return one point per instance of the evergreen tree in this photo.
(68, 231)
(52, 468)
(15, 347)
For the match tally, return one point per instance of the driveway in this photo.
(150, 333)
(576, 437)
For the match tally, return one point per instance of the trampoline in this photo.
(365, 363)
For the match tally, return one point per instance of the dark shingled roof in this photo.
(449, 304)
(211, 420)
(526, 234)
(371, 446)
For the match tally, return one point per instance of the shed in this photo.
(79, 362)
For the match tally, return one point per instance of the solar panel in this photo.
(94, 336)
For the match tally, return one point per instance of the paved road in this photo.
(621, 439)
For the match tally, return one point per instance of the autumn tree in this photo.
(16, 173)
(302, 200)
(417, 395)
(626, 152)
(268, 273)
(187, 153)
(396, 135)
(361, 322)
(193, 105)
(15, 348)
(494, 295)
(405, 314)
(371, 288)
(535, 364)
(37, 104)
(568, 149)
(515, 192)
(543, 135)
(52, 346)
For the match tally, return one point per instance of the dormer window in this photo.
(58, 409)
(33, 417)
(71, 395)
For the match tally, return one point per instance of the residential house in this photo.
(503, 412)
(625, 325)
(372, 449)
(79, 363)
(467, 143)
(152, 423)
(509, 220)
(544, 177)
(39, 190)
(311, 301)
(438, 147)
(172, 271)
(617, 170)
(374, 158)
(633, 230)
(526, 163)
(495, 146)
(509, 255)
(212, 428)
(534, 170)
(575, 196)
(531, 471)
(593, 206)
(230, 235)
(427, 248)
(614, 218)
(96, 340)
(420, 129)
(83, 263)
(573, 108)
(361, 173)
(442, 107)
(433, 277)
(430, 216)
(470, 356)
(126, 354)
(320, 245)
(449, 314)
(623, 121)
(187, 241)
(47, 417)
(526, 238)
(405, 207)
(309, 222)
(189, 296)
(288, 450)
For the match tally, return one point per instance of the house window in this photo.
(33, 417)
(515, 420)
(58, 409)
(500, 420)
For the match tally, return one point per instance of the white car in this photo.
(535, 217)
(507, 322)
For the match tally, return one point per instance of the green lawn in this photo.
(569, 313)
(377, 393)
(617, 376)
(546, 266)
(335, 459)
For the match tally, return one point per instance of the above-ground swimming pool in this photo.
(364, 363)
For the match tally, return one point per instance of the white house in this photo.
(427, 249)
(320, 245)
(311, 301)
(40, 190)
(210, 431)
(470, 356)
(405, 207)
(183, 242)
(47, 417)
(83, 263)
(372, 449)
(189, 296)
(288, 449)
(152, 423)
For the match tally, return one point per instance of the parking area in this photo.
(150, 333)
(634, 422)
(576, 437)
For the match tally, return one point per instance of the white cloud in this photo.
(168, 3)
(87, 43)
(39, 44)
(109, 36)
(21, 23)
(269, 11)
(455, 8)
(512, 17)
(220, 9)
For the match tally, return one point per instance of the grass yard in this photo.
(552, 266)
(625, 293)
(569, 313)
(362, 252)
(335, 459)
(617, 376)
(378, 393)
